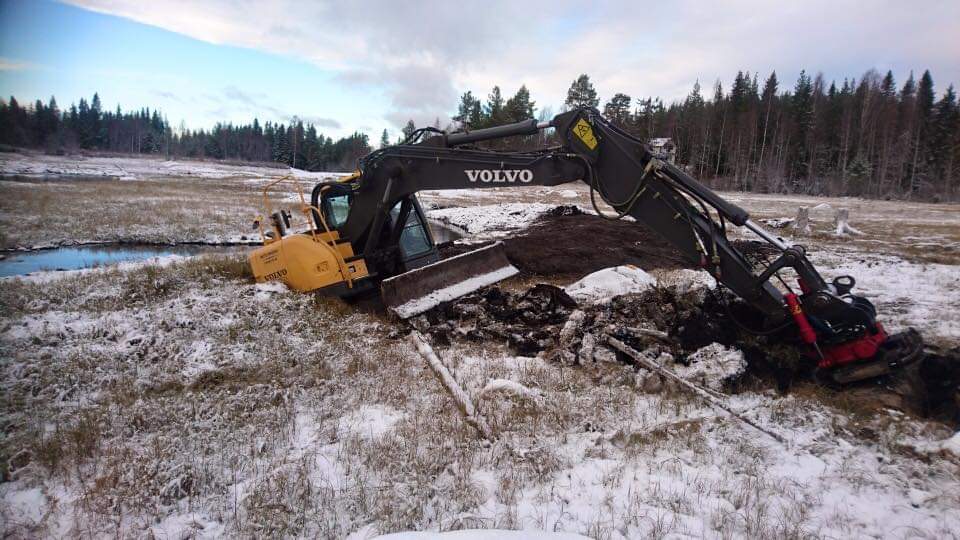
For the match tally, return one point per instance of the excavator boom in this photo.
(377, 214)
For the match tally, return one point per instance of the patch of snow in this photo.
(686, 279)
(777, 223)
(907, 294)
(37, 165)
(952, 444)
(712, 366)
(267, 289)
(190, 525)
(483, 534)
(603, 285)
(25, 505)
(507, 386)
(486, 219)
(370, 421)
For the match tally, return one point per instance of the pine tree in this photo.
(466, 110)
(408, 130)
(617, 110)
(384, 139)
(519, 107)
(582, 93)
(802, 109)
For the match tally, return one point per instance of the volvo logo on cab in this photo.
(499, 175)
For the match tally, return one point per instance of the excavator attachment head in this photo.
(421, 289)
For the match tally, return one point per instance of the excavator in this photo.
(367, 232)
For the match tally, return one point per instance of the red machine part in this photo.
(859, 349)
(806, 331)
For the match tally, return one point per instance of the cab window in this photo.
(337, 209)
(413, 239)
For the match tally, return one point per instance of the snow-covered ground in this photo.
(48, 201)
(177, 399)
(39, 165)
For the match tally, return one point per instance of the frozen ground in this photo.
(38, 165)
(55, 200)
(178, 399)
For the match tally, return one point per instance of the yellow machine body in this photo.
(308, 262)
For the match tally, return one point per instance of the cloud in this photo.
(168, 95)
(422, 55)
(9, 64)
(256, 103)
(321, 122)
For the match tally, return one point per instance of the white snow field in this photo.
(177, 399)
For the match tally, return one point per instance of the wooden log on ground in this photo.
(460, 398)
(648, 363)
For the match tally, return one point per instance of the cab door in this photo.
(410, 232)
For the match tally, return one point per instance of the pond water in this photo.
(77, 257)
(18, 263)
(444, 233)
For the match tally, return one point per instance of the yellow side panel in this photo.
(302, 263)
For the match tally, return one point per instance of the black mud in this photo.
(567, 243)
(545, 320)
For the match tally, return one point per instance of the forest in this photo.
(866, 136)
(88, 127)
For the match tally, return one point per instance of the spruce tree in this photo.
(493, 110)
(945, 131)
(384, 139)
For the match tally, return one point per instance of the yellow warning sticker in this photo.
(583, 130)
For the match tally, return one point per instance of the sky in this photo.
(370, 65)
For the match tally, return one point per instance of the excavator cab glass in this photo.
(336, 209)
(413, 237)
(415, 241)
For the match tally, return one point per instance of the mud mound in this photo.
(568, 243)
(674, 324)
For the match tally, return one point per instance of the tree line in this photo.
(86, 126)
(864, 137)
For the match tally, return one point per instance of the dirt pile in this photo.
(545, 319)
(568, 243)
(676, 324)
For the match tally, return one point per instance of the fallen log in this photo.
(460, 398)
(703, 393)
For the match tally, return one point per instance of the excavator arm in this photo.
(838, 328)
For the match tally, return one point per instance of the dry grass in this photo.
(161, 210)
(135, 398)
